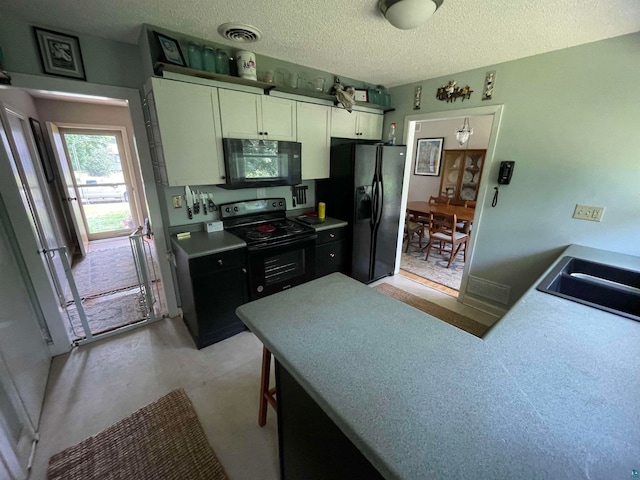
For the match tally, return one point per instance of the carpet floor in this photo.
(453, 318)
(163, 440)
(434, 269)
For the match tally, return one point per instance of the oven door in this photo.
(274, 268)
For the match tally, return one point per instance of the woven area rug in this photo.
(434, 269)
(107, 313)
(162, 441)
(105, 271)
(457, 320)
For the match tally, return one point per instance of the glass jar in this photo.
(222, 62)
(209, 59)
(195, 56)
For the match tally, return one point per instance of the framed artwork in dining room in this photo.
(429, 156)
(60, 54)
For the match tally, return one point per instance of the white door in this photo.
(278, 118)
(240, 114)
(370, 126)
(314, 132)
(30, 180)
(24, 356)
(343, 123)
(69, 185)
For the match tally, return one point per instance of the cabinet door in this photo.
(370, 126)
(278, 118)
(240, 114)
(474, 161)
(343, 123)
(314, 132)
(452, 164)
(190, 130)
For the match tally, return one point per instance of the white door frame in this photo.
(162, 242)
(409, 141)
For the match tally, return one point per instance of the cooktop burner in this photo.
(262, 222)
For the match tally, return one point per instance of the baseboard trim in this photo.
(483, 306)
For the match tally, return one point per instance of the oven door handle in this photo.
(295, 241)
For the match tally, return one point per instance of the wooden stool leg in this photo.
(264, 386)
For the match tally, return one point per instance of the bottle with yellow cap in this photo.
(321, 210)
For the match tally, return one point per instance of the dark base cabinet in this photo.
(311, 446)
(211, 288)
(331, 252)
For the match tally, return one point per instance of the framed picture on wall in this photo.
(60, 54)
(429, 156)
(171, 52)
(42, 149)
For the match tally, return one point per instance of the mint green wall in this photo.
(570, 122)
(105, 61)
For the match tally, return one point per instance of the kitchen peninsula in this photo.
(550, 392)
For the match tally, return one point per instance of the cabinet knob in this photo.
(332, 235)
(332, 255)
(260, 133)
(220, 262)
(244, 270)
(266, 133)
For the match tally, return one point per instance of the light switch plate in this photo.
(177, 201)
(588, 212)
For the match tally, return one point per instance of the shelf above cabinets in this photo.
(266, 87)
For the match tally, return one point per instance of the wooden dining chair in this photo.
(412, 228)
(442, 229)
(465, 226)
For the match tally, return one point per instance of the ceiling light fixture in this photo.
(408, 14)
(463, 133)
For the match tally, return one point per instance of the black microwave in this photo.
(261, 163)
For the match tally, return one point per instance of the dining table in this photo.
(422, 208)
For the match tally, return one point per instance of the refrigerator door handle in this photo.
(374, 202)
(380, 201)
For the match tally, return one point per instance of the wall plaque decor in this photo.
(450, 92)
(417, 98)
(489, 80)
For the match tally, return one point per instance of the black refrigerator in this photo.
(365, 190)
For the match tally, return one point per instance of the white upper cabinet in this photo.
(358, 125)
(314, 132)
(370, 126)
(188, 121)
(247, 115)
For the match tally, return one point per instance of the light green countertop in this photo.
(551, 392)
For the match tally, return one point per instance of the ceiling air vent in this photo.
(238, 32)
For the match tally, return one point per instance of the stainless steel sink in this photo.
(597, 285)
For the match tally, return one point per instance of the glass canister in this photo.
(209, 59)
(195, 56)
(222, 62)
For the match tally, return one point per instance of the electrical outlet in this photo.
(177, 201)
(588, 212)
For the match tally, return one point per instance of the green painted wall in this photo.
(570, 121)
(105, 61)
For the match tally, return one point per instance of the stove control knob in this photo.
(280, 204)
(227, 210)
(273, 204)
(260, 289)
(235, 209)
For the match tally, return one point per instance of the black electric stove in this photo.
(262, 222)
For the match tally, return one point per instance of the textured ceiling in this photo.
(350, 38)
